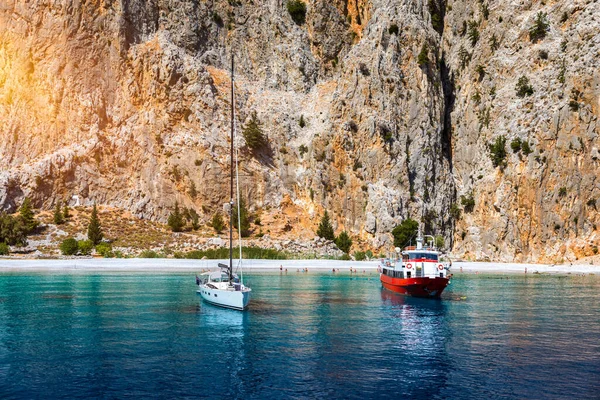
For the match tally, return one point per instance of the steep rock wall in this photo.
(126, 103)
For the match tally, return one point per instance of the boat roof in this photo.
(431, 251)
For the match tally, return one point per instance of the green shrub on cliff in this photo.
(4, 250)
(498, 152)
(253, 134)
(297, 10)
(523, 87)
(540, 27)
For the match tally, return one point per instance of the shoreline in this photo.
(258, 265)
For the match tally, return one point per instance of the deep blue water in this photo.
(305, 336)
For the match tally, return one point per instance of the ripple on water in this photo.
(304, 336)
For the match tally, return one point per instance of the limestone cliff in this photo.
(126, 103)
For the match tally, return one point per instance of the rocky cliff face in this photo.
(126, 103)
(541, 204)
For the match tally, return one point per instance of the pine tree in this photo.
(343, 242)
(325, 229)
(245, 231)
(58, 215)
(193, 192)
(66, 212)
(217, 223)
(176, 221)
(94, 229)
(27, 216)
(253, 134)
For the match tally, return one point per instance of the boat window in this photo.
(425, 256)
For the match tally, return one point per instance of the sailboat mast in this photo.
(231, 192)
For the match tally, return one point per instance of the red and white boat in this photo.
(419, 272)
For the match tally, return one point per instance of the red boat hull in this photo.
(416, 287)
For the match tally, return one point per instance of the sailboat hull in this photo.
(234, 299)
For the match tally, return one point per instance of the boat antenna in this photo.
(231, 185)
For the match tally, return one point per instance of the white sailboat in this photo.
(223, 288)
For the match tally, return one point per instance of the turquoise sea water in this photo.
(305, 336)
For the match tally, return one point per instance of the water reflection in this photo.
(417, 334)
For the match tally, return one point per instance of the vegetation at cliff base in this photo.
(27, 216)
(105, 250)
(343, 242)
(217, 223)
(4, 250)
(69, 247)
(404, 232)
(94, 231)
(247, 253)
(12, 230)
(66, 212)
(325, 230)
(297, 10)
(175, 221)
(85, 247)
(58, 216)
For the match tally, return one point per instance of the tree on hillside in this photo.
(540, 27)
(343, 242)
(193, 218)
(217, 223)
(58, 215)
(404, 232)
(253, 134)
(12, 230)
(175, 221)
(66, 212)
(94, 232)
(325, 229)
(244, 220)
(27, 216)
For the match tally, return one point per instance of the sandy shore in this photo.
(196, 266)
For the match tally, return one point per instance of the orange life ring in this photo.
(440, 267)
(408, 266)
